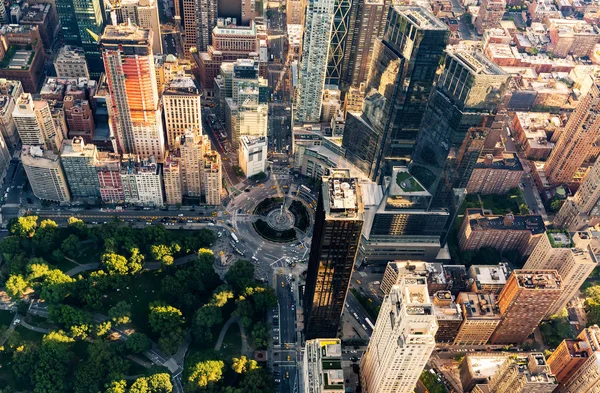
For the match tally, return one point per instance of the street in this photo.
(285, 353)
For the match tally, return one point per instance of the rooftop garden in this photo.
(559, 238)
(407, 183)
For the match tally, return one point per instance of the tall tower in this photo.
(584, 207)
(181, 102)
(82, 24)
(136, 121)
(313, 66)
(576, 139)
(402, 341)
(192, 151)
(407, 56)
(586, 377)
(35, 124)
(337, 45)
(573, 257)
(524, 302)
(338, 225)
(572, 354)
(366, 22)
(143, 13)
(199, 20)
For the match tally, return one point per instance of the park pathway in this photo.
(34, 328)
(147, 266)
(245, 347)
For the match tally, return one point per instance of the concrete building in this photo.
(35, 124)
(44, 17)
(143, 13)
(532, 130)
(108, 168)
(252, 155)
(5, 157)
(586, 377)
(476, 369)
(490, 15)
(142, 181)
(481, 317)
(355, 96)
(574, 257)
(504, 233)
(402, 341)
(10, 91)
(246, 119)
(576, 139)
(583, 209)
(45, 174)
(199, 19)
(571, 37)
(448, 315)
(526, 373)
(495, 174)
(212, 179)
(338, 223)
(192, 149)
(434, 272)
(78, 113)
(488, 279)
(314, 59)
(182, 106)
(172, 180)
(24, 65)
(322, 367)
(570, 355)
(79, 162)
(70, 63)
(295, 12)
(331, 103)
(524, 302)
(136, 120)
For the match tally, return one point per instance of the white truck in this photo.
(234, 237)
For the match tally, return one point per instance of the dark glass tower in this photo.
(402, 71)
(338, 225)
(339, 33)
(82, 23)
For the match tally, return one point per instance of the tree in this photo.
(50, 372)
(56, 286)
(138, 343)
(555, 204)
(136, 261)
(140, 386)
(70, 246)
(45, 236)
(164, 318)
(120, 313)
(242, 365)
(16, 286)
(203, 373)
(221, 296)
(257, 380)
(24, 226)
(78, 227)
(115, 264)
(167, 260)
(205, 319)
(119, 386)
(69, 316)
(10, 246)
(264, 298)
(157, 251)
(240, 275)
(103, 328)
(260, 335)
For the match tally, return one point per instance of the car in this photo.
(277, 380)
(289, 358)
(353, 351)
(246, 190)
(17, 321)
(287, 374)
(275, 329)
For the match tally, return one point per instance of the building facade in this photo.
(481, 317)
(79, 163)
(338, 224)
(252, 155)
(583, 208)
(71, 63)
(183, 112)
(212, 179)
(143, 13)
(35, 124)
(323, 371)
(45, 174)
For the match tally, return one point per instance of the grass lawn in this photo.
(407, 183)
(143, 290)
(29, 335)
(6, 317)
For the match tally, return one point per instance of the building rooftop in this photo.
(182, 86)
(481, 222)
(77, 148)
(36, 13)
(341, 196)
(421, 18)
(403, 183)
(444, 307)
(538, 279)
(69, 52)
(434, 271)
(126, 32)
(487, 274)
(476, 62)
(38, 157)
(479, 305)
(486, 365)
(17, 59)
(250, 140)
(415, 296)
(507, 161)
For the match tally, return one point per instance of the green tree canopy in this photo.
(204, 373)
(16, 286)
(138, 342)
(242, 365)
(120, 313)
(24, 226)
(205, 320)
(240, 275)
(164, 318)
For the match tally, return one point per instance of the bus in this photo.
(369, 323)
(234, 237)
(305, 189)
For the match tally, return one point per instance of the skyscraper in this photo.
(82, 24)
(35, 125)
(402, 341)
(199, 19)
(574, 257)
(524, 302)
(338, 224)
(366, 22)
(337, 44)
(212, 180)
(79, 164)
(45, 174)
(576, 139)
(313, 66)
(407, 56)
(586, 377)
(136, 119)
(573, 353)
(182, 105)
(143, 13)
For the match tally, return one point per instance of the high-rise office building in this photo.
(524, 302)
(172, 179)
(338, 224)
(583, 208)
(323, 371)
(480, 318)
(142, 180)
(108, 168)
(295, 12)
(70, 63)
(571, 354)
(143, 13)
(79, 164)
(82, 23)
(136, 119)
(337, 44)
(212, 179)
(574, 257)
(585, 377)
(366, 22)
(408, 55)
(192, 148)
(313, 66)
(182, 106)
(10, 91)
(35, 124)
(402, 341)
(45, 174)
(199, 19)
(576, 139)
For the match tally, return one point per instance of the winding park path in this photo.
(245, 347)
